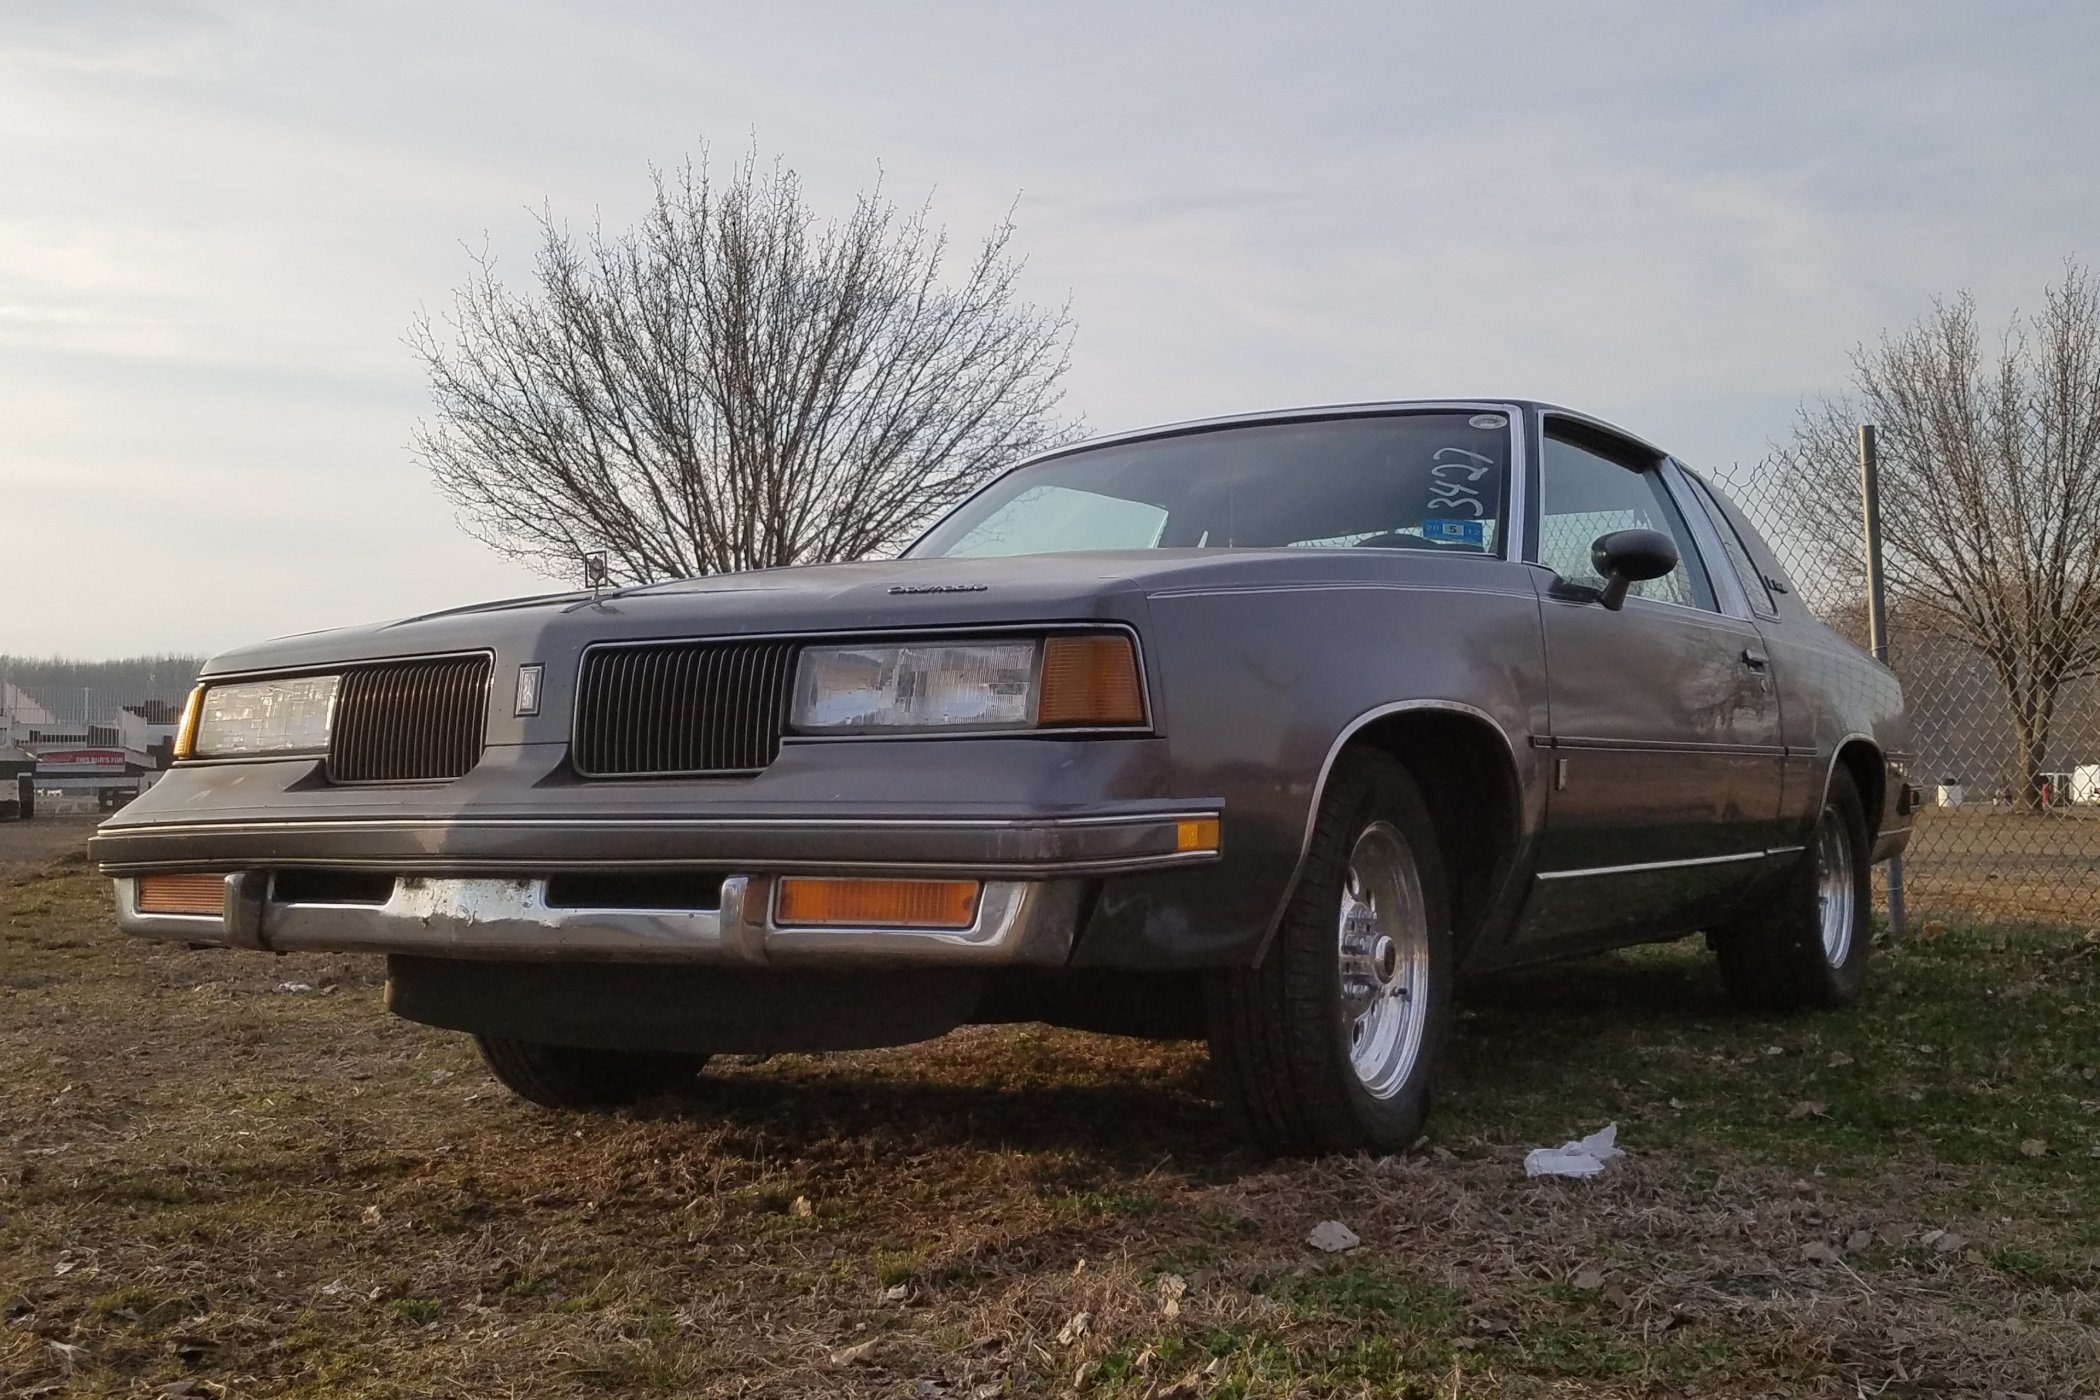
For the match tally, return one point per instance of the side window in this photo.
(1585, 494)
(1739, 559)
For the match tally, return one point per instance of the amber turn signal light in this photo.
(1090, 680)
(817, 903)
(1196, 834)
(186, 733)
(182, 894)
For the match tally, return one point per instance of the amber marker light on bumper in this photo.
(1196, 834)
(182, 894)
(810, 902)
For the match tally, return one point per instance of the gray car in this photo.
(1261, 729)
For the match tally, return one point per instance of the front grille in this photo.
(410, 721)
(681, 707)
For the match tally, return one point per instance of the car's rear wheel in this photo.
(1807, 945)
(571, 1076)
(1332, 1043)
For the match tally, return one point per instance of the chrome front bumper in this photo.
(1019, 922)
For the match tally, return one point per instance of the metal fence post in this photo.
(1877, 609)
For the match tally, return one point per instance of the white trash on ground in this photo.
(1332, 1237)
(1583, 1158)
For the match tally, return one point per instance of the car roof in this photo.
(1333, 410)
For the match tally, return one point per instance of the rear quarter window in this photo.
(1740, 558)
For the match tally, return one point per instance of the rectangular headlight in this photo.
(918, 685)
(264, 717)
(1082, 680)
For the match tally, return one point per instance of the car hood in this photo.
(863, 597)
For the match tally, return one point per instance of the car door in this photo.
(1663, 722)
(1797, 666)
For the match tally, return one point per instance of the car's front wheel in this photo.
(571, 1076)
(1332, 1043)
(1806, 946)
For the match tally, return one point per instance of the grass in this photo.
(206, 1179)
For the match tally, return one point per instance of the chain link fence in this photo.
(81, 718)
(1998, 839)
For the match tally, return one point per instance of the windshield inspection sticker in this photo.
(1448, 531)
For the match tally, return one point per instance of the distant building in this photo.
(85, 757)
(20, 716)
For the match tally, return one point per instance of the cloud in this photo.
(221, 219)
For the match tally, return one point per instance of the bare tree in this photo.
(1990, 491)
(734, 384)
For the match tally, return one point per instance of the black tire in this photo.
(1779, 958)
(1281, 1041)
(569, 1076)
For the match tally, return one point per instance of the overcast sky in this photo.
(217, 221)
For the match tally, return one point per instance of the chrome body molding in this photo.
(1019, 923)
(1334, 751)
(1341, 740)
(1644, 867)
(1889, 826)
(1093, 843)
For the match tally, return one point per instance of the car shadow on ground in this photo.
(1143, 1114)
(1658, 986)
(1131, 1104)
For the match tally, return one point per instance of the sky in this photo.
(218, 221)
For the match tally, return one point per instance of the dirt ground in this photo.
(228, 1174)
(43, 838)
(1982, 862)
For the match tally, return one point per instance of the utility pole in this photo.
(1877, 608)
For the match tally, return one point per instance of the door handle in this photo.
(1755, 660)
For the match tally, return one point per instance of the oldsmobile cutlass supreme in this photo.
(1262, 728)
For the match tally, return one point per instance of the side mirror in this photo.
(1624, 558)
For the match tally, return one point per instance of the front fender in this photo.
(1261, 687)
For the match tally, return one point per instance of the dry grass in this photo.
(209, 1185)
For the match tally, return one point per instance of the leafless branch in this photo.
(1990, 489)
(734, 383)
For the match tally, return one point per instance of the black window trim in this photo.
(1635, 457)
(1763, 605)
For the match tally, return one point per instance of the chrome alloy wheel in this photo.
(1383, 950)
(1835, 889)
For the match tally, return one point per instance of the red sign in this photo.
(81, 760)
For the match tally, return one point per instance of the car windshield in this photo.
(1421, 481)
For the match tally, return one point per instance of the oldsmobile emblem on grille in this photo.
(939, 587)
